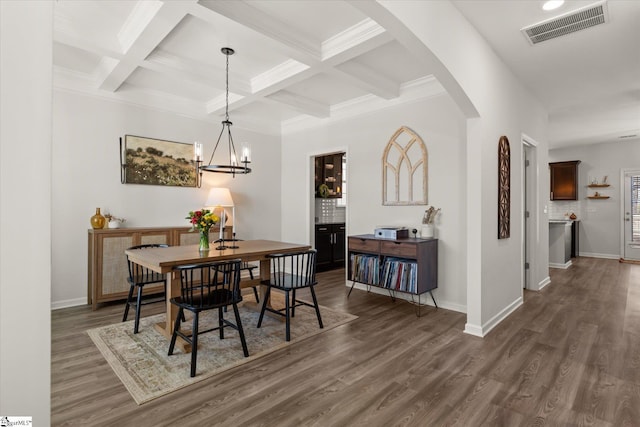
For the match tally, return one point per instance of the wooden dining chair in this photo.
(205, 287)
(291, 272)
(139, 277)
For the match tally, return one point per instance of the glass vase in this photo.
(204, 240)
(98, 221)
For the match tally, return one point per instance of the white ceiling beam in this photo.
(301, 104)
(302, 48)
(147, 27)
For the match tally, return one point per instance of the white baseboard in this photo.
(562, 266)
(482, 331)
(56, 305)
(544, 283)
(596, 255)
(424, 299)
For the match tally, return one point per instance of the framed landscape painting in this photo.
(157, 162)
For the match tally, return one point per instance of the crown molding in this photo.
(275, 75)
(350, 38)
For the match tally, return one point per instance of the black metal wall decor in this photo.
(504, 188)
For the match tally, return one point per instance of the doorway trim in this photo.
(529, 198)
(623, 173)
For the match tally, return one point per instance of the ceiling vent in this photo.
(570, 22)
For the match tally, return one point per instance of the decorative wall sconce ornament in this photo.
(234, 166)
(404, 170)
(504, 188)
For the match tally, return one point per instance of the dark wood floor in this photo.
(569, 356)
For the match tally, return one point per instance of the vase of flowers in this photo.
(202, 221)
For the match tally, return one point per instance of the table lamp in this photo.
(221, 198)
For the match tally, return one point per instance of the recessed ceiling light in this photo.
(552, 4)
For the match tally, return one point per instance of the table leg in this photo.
(166, 327)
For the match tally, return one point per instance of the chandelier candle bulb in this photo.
(246, 154)
(197, 150)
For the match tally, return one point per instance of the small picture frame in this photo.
(151, 161)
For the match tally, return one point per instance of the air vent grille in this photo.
(577, 20)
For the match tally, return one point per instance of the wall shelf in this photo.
(598, 185)
(597, 197)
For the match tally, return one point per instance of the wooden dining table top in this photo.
(163, 260)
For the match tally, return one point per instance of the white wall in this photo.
(599, 219)
(504, 107)
(441, 126)
(86, 175)
(25, 209)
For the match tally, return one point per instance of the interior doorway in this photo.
(329, 207)
(630, 240)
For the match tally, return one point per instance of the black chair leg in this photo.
(194, 344)
(221, 323)
(255, 289)
(138, 306)
(126, 306)
(315, 305)
(264, 306)
(176, 328)
(239, 325)
(287, 315)
(293, 302)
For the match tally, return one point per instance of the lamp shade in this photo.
(219, 197)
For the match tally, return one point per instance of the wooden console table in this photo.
(399, 265)
(107, 270)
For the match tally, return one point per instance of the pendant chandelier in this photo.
(234, 166)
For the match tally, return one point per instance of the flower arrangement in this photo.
(110, 218)
(202, 220)
(430, 215)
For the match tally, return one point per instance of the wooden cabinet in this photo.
(328, 176)
(399, 265)
(563, 179)
(330, 244)
(107, 264)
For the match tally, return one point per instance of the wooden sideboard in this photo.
(107, 264)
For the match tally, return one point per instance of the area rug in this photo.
(142, 364)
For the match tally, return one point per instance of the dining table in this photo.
(164, 260)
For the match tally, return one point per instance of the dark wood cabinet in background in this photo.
(563, 179)
(328, 171)
(330, 244)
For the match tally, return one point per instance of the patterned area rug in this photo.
(142, 364)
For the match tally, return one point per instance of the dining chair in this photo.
(139, 277)
(246, 266)
(203, 287)
(291, 272)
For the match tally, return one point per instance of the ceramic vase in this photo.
(98, 221)
(427, 231)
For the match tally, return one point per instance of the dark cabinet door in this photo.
(563, 178)
(330, 244)
(339, 245)
(328, 176)
(324, 246)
